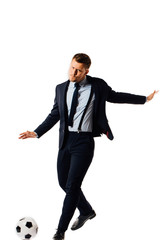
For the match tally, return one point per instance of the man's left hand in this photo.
(150, 97)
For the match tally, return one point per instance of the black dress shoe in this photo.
(58, 236)
(80, 221)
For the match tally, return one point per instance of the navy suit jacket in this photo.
(103, 93)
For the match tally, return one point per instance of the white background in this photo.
(38, 39)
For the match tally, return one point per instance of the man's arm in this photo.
(120, 97)
(48, 123)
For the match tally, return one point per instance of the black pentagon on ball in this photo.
(28, 236)
(18, 229)
(29, 224)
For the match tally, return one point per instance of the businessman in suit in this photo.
(80, 106)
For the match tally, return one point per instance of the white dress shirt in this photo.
(83, 97)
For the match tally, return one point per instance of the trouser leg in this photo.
(73, 163)
(83, 205)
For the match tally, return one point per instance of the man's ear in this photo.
(87, 71)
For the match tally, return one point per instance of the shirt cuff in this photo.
(36, 134)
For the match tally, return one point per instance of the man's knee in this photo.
(73, 188)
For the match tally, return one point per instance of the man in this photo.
(80, 106)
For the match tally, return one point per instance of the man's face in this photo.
(77, 71)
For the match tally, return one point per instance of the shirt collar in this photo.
(83, 82)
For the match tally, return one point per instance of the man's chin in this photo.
(72, 79)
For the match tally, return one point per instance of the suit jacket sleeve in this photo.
(121, 97)
(50, 121)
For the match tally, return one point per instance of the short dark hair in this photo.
(83, 58)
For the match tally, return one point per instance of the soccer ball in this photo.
(26, 228)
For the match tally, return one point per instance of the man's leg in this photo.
(81, 148)
(83, 205)
(63, 166)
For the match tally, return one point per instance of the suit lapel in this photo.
(95, 91)
(63, 97)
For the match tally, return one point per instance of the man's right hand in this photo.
(27, 134)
